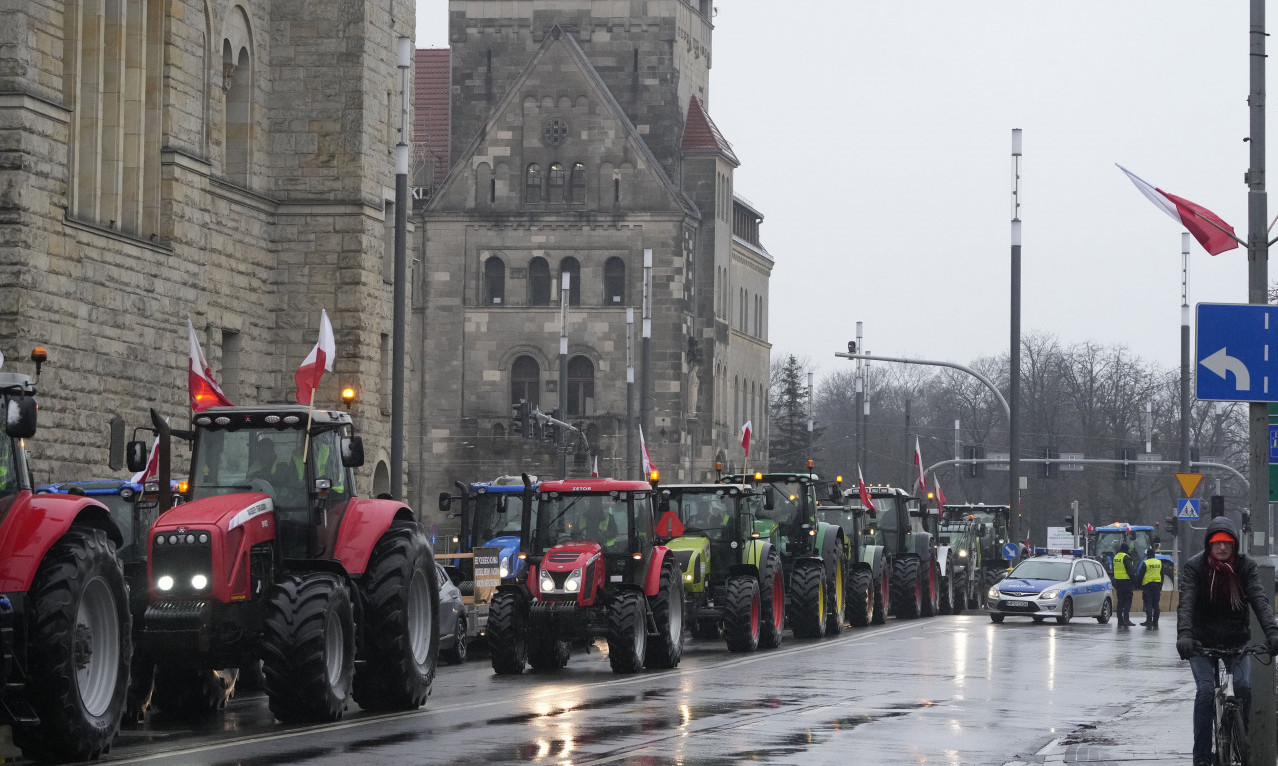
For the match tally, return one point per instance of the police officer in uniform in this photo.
(1150, 576)
(1124, 584)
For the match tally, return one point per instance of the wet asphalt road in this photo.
(941, 690)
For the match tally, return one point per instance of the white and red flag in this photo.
(594, 472)
(648, 468)
(152, 470)
(1029, 547)
(940, 496)
(1212, 233)
(865, 493)
(199, 378)
(918, 463)
(746, 430)
(320, 359)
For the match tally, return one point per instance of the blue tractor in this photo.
(1103, 543)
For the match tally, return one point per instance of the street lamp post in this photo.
(561, 443)
(630, 392)
(1014, 387)
(399, 291)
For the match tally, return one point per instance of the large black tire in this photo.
(860, 604)
(190, 692)
(627, 632)
(308, 648)
(400, 595)
(548, 652)
(930, 586)
(882, 597)
(508, 633)
(834, 582)
(666, 648)
(741, 614)
(988, 578)
(946, 602)
(996, 618)
(456, 653)
(771, 601)
(807, 600)
(907, 588)
(80, 650)
(976, 591)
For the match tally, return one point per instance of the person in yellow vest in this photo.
(1150, 576)
(1123, 583)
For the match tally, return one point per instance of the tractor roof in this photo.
(572, 486)
(264, 415)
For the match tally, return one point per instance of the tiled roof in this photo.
(700, 134)
(432, 111)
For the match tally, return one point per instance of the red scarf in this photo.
(1224, 586)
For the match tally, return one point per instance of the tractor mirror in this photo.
(980, 531)
(663, 504)
(352, 451)
(769, 498)
(20, 417)
(135, 456)
(445, 502)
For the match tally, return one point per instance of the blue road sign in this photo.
(1237, 352)
(1187, 508)
(1011, 551)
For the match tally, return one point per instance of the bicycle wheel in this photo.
(1231, 740)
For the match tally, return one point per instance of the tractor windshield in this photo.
(788, 503)
(602, 517)
(1107, 544)
(843, 516)
(249, 460)
(887, 521)
(497, 515)
(708, 513)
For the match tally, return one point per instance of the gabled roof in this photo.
(701, 135)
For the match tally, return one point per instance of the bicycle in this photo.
(1229, 725)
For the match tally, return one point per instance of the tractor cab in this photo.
(492, 516)
(584, 520)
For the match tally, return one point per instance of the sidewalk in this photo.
(1157, 729)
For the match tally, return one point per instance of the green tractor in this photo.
(812, 551)
(993, 528)
(961, 563)
(732, 573)
(867, 580)
(900, 526)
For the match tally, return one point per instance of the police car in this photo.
(1061, 587)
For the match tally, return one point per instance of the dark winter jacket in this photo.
(1218, 625)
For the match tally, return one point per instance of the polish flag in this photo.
(1212, 233)
(865, 493)
(594, 474)
(746, 430)
(918, 463)
(320, 359)
(152, 470)
(199, 378)
(940, 496)
(643, 453)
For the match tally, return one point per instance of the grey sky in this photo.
(875, 137)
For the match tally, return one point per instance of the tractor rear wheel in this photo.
(860, 607)
(907, 588)
(807, 600)
(667, 611)
(548, 652)
(627, 632)
(771, 602)
(931, 587)
(400, 595)
(507, 633)
(308, 648)
(882, 597)
(834, 582)
(189, 692)
(741, 614)
(81, 647)
(947, 603)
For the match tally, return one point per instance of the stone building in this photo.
(581, 144)
(225, 161)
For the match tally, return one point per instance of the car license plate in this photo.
(1017, 603)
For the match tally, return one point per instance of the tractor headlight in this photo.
(199, 582)
(1049, 594)
(962, 554)
(504, 568)
(994, 594)
(687, 576)
(164, 583)
(546, 582)
(573, 583)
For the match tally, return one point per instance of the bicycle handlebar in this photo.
(1261, 652)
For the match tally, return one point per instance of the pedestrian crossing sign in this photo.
(1187, 508)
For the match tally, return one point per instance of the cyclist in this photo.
(1216, 587)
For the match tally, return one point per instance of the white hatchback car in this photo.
(1062, 587)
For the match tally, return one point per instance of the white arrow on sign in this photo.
(1221, 363)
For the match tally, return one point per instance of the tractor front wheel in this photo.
(882, 597)
(860, 607)
(834, 583)
(400, 594)
(627, 632)
(771, 602)
(667, 613)
(948, 604)
(507, 633)
(931, 585)
(907, 588)
(308, 648)
(807, 600)
(741, 614)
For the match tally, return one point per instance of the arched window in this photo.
(614, 282)
(572, 267)
(532, 184)
(555, 190)
(538, 282)
(577, 183)
(525, 381)
(494, 281)
(581, 386)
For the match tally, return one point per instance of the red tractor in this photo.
(274, 557)
(64, 608)
(595, 569)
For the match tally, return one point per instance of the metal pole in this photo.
(631, 471)
(1185, 402)
(1014, 387)
(1263, 745)
(560, 444)
(398, 320)
(645, 384)
(858, 398)
(810, 407)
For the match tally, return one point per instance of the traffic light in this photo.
(1173, 528)
(1069, 524)
(974, 452)
(1217, 506)
(519, 423)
